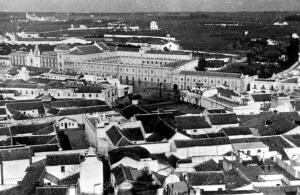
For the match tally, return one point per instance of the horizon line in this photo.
(113, 12)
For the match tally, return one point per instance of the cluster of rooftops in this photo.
(166, 139)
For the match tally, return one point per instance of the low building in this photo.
(200, 147)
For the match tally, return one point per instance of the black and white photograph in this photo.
(149, 97)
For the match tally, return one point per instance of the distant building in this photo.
(28, 35)
(153, 26)
(47, 59)
(154, 44)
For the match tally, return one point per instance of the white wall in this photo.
(91, 176)
(156, 148)
(57, 172)
(14, 171)
(202, 151)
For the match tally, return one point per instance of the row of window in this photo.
(283, 87)
(122, 69)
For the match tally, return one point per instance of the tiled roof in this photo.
(223, 119)
(32, 178)
(276, 143)
(191, 122)
(167, 52)
(209, 165)
(44, 148)
(199, 179)
(52, 190)
(75, 103)
(230, 131)
(234, 180)
(77, 139)
(103, 46)
(132, 110)
(163, 129)
(35, 129)
(227, 92)
(53, 111)
(71, 180)
(38, 105)
(89, 89)
(211, 74)
(123, 173)
(215, 111)
(155, 137)
(124, 142)
(85, 50)
(5, 131)
(153, 123)
(270, 123)
(63, 159)
(276, 126)
(252, 145)
(201, 142)
(35, 140)
(134, 152)
(82, 110)
(262, 97)
(62, 47)
(116, 137)
(295, 139)
(179, 63)
(133, 134)
(15, 154)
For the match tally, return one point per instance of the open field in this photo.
(200, 31)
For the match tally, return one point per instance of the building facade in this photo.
(174, 70)
(47, 59)
(170, 70)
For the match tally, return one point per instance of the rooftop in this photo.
(202, 142)
(234, 179)
(85, 50)
(212, 74)
(116, 137)
(132, 110)
(35, 140)
(227, 92)
(223, 119)
(13, 154)
(199, 179)
(167, 52)
(63, 159)
(252, 145)
(231, 131)
(133, 134)
(191, 122)
(209, 165)
(263, 97)
(134, 152)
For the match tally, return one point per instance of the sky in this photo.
(147, 5)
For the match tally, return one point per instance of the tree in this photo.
(293, 51)
(145, 184)
(202, 64)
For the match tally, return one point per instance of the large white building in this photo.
(173, 70)
(153, 26)
(286, 81)
(170, 69)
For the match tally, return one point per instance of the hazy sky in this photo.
(148, 5)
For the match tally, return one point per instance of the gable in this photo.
(65, 119)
